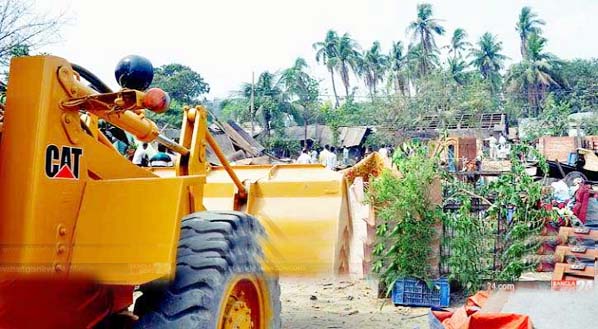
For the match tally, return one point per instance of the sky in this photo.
(226, 40)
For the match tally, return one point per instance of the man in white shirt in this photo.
(141, 156)
(493, 147)
(324, 155)
(314, 156)
(345, 155)
(331, 159)
(304, 158)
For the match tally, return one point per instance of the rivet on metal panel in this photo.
(60, 249)
(61, 230)
(72, 129)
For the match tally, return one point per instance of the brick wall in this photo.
(558, 148)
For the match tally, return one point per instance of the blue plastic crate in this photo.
(415, 292)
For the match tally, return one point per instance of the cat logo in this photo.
(63, 163)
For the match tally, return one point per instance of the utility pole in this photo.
(251, 102)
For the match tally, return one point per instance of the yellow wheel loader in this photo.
(82, 228)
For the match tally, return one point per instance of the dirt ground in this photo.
(343, 303)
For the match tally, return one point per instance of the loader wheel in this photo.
(219, 283)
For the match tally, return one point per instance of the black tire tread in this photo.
(213, 246)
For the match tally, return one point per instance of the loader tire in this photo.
(218, 283)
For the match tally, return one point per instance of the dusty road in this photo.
(342, 303)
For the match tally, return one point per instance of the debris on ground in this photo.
(338, 299)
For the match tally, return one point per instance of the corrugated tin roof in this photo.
(242, 138)
(353, 136)
(347, 136)
(227, 136)
(225, 145)
(460, 121)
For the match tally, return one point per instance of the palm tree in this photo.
(458, 43)
(535, 74)
(527, 25)
(456, 68)
(423, 30)
(372, 67)
(295, 77)
(348, 57)
(269, 99)
(327, 53)
(487, 58)
(419, 61)
(305, 90)
(398, 65)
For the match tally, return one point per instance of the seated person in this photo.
(161, 159)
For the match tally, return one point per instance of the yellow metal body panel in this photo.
(126, 228)
(37, 214)
(110, 218)
(304, 209)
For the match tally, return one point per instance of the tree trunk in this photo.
(523, 48)
(345, 73)
(305, 128)
(371, 93)
(424, 53)
(530, 100)
(540, 97)
(267, 118)
(334, 88)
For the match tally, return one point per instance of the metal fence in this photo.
(492, 233)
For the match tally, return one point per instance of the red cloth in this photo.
(468, 317)
(581, 202)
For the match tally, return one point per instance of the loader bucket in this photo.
(303, 208)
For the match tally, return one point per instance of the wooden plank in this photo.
(563, 271)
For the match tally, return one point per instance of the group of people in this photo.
(499, 149)
(162, 158)
(327, 157)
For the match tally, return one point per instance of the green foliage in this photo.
(553, 122)
(302, 92)
(424, 52)
(473, 249)
(556, 116)
(519, 191)
(20, 50)
(184, 87)
(181, 82)
(590, 126)
(527, 24)
(535, 75)
(282, 147)
(372, 67)
(379, 138)
(489, 60)
(236, 109)
(406, 216)
(470, 260)
(581, 76)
